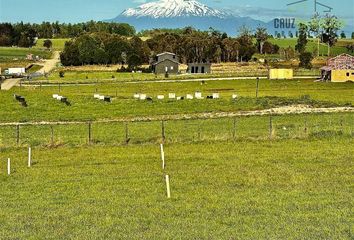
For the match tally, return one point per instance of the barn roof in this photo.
(341, 62)
(165, 53)
(164, 61)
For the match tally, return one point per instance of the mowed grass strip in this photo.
(251, 190)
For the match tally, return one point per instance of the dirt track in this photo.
(9, 83)
(50, 64)
(296, 109)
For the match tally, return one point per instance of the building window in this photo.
(171, 67)
(348, 74)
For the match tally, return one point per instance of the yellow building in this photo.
(339, 69)
(342, 75)
(281, 73)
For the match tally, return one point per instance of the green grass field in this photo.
(58, 43)
(84, 107)
(111, 77)
(339, 48)
(10, 53)
(255, 177)
(246, 190)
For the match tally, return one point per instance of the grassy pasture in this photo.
(112, 76)
(84, 107)
(10, 53)
(312, 45)
(58, 43)
(303, 126)
(245, 190)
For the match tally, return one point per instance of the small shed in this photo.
(281, 73)
(195, 68)
(339, 69)
(165, 63)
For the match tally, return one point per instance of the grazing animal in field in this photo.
(149, 99)
(21, 100)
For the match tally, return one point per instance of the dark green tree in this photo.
(47, 44)
(302, 40)
(342, 35)
(306, 60)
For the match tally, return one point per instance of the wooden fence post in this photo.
(257, 88)
(199, 130)
(18, 134)
(163, 134)
(89, 132)
(234, 129)
(270, 126)
(52, 135)
(126, 133)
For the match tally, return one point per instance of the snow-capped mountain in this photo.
(174, 8)
(183, 13)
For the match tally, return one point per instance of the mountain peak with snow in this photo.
(173, 8)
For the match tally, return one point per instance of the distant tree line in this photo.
(24, 35)
(190, 45)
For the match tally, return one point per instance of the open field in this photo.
(11, 53)
(107, 75)
(42, 107)
(97, 174)
(249, 190)
(178, 130)
(312, 45)
(58, 43)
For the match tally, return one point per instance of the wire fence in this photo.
(176, 131)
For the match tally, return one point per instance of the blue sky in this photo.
(84, 10)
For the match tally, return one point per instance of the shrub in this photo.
(305, 60)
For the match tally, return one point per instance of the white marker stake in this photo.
(8, 166)
(29, 156)
(168, 186)
(162, 157)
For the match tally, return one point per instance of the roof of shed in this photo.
(164, 61)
